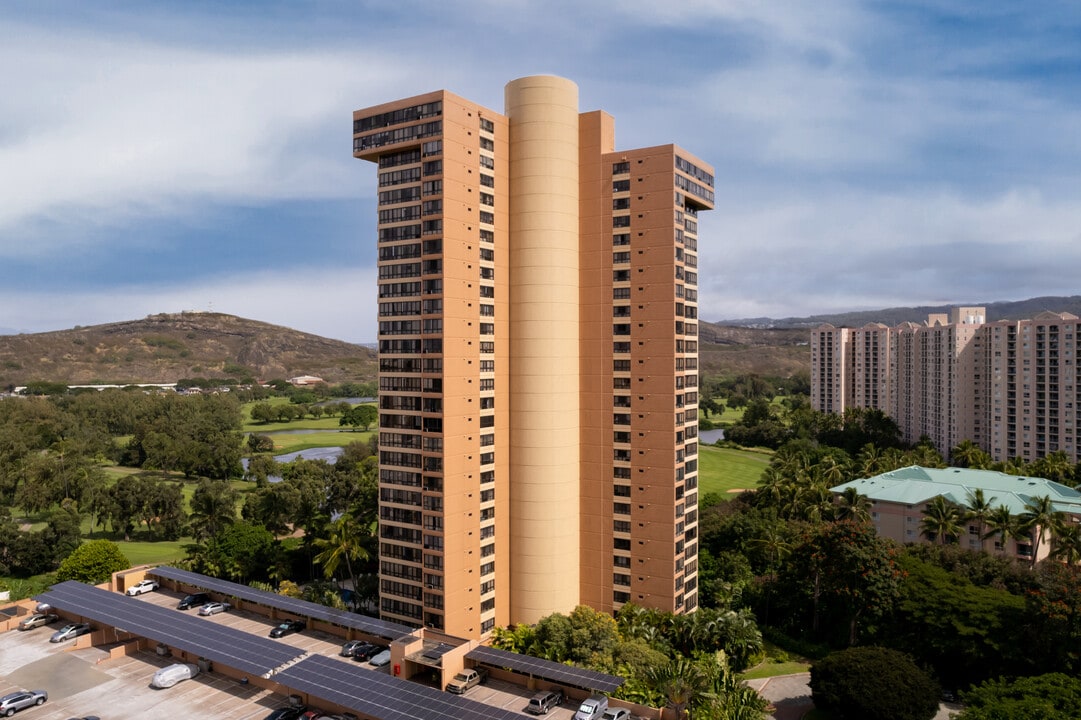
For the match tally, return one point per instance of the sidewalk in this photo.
(790, 695)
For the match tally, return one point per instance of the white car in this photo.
(213, 608)
(143, 586)
(172, 674)
(616, 714)
(380, 659)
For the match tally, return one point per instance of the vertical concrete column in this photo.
(544, 348)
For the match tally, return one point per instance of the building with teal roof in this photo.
(900, 497)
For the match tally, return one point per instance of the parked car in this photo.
(312, 715)
(287, 713)
(143, 586)
(466, 679)
(616, 714)
(287, 628)
(544, 701)
(87, 717)
(37, 620)
(363, 654)
(193, 600)
(350, 648)
(213, 608)
(21, 700)
(380, 659)
(591, 708)
(70, 632)
(172, 674)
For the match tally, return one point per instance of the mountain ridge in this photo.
(166, 347)
(1000, 310)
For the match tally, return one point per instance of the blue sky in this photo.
(159, 157)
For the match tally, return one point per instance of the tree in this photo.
(1039, 518)
(1002, 523)
(968, 454)
(873, 682)
(841, 574)
(1044, 697)
(359, 416)
(93, 562)
(852, 505)
(978, 508)
(681, 681)
(344, 542)
(263, 413)
(213, 507)
(941, 521)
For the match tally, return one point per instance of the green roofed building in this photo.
(900, 498)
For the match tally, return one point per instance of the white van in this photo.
(592, 708)
(172, 674)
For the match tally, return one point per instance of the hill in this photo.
(168, 347)
(1010, 310)
(773, 352)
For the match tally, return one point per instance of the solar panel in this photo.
(436, 652)
(546, 669)
(217, 643)
(301, 608)
(382, 696)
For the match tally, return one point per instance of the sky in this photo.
(176, 156)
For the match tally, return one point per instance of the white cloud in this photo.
(99, 131)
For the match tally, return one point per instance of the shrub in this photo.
(873, 682)
(93, 562)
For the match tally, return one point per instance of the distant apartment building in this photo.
(1013, 386)
(538, 360)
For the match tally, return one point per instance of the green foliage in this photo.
(840, 574)
(966, 633)
(93, 562)
(1045, 697)
(260, 443)
(360, 416)
(873, 682)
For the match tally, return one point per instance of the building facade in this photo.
(538, 360)
(1012, 386)
(899, 503)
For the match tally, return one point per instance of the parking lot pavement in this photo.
(86, 682)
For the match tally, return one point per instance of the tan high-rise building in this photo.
(538, 360)
(1013, 387)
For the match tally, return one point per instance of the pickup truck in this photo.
(466, 679)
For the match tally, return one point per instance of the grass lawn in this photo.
(154, 553)
(724, 469)
(287, 443)
(777, 662)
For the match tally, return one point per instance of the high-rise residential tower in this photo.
(1013, 387)
(538, 360)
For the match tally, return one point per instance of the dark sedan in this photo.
(286, 713)
(193, 600)
(367, 652)
(287, 628)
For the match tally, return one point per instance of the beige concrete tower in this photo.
(544, 386)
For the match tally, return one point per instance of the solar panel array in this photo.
(215, 642)
(382, 696)
(546, 669)
(301, 608)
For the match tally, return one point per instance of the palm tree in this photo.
(345, 541)
(941, 520)
(1040, 516)
(979, 509)
(968, 454)
(680, 680)
(870, 461)
(1000, 522)
(1067, 544)
(852, 505)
